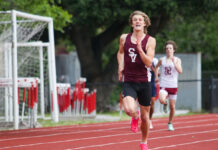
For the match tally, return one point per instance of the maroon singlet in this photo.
(134, 68)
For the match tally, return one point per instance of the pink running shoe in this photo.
(144, 146)
(134, 124)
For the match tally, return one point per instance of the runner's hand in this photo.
(138, 42)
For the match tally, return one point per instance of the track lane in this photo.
(107, 134)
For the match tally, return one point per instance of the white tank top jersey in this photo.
(168, 74)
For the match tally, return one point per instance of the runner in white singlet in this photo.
(170, 68)
(168, 74)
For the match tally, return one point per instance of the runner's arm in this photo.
(150, 48)
(120, 57)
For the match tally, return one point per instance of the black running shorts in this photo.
(142, 91)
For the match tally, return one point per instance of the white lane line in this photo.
(182, 144)
(99, 130)
(71, 140)
(90, 138)
(101, 145)
(63, 127)
(61, 134)
(105, 124)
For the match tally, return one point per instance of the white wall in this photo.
(68, 68)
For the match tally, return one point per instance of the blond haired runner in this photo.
(171, 67)
(135, 55)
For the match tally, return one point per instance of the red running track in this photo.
(196, 132)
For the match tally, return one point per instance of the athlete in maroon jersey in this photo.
(134, 57)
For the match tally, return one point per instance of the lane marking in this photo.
(182, 144)
(104, 124)
(101, 145)
(90, 138)
(99, 130)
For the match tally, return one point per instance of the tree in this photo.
(43, 7)
(96, 24)
(195, 31)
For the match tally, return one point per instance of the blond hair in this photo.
(145, 16)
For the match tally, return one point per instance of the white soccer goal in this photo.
(22, 55)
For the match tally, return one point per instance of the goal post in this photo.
(22, 55)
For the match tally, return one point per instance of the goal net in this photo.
(24, 56)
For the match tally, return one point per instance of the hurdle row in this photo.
(76, 101)
(27, 92)
(71, 101)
